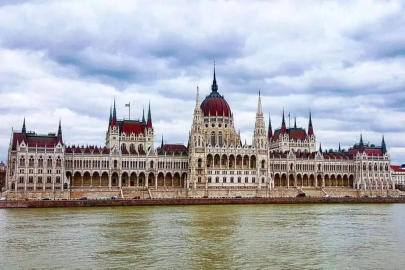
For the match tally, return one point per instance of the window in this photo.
(22, 161)
(239, 179)
(21, 180)
(231, 179)
(253, 179)
(58, 179)
(49, 162)
(39, 179)
(48, 180)
(30, 179)
(151, 164)
(263, 180)
(246, 180)
(213, 138)
(140, 148)
(224, 179)
(199, 180)
(31, 162)
(199, 162)
(220, 138)
(123, 147)
(209, 179)
(115, 164)
(216, 179)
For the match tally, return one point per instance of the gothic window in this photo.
(115, 164)
(151, 164)
(220, 139)
(263, 180)
(217, 179)
(246, 179)
(209, 179)
(199, 163)
(213, 138)
(239, 179)
(224, 180)
(131, 147)
(199, 141)
(199, 180)
(123, 147)
(253, 180)
(30, 179)
(31, 161)
(39, 179)
(58, 162)
(22, 161)
(58, 179)
(21, 180)
(232, 179)
(49, 162)
(140, 148)
(48, 180)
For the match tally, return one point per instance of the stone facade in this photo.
(214, 160)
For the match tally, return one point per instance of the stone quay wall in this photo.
(193, 201)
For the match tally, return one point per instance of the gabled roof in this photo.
(34, 140)
(294, 133)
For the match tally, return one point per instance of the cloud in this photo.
(344, 61)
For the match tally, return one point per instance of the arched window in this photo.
(213, 138)
(220, 139)
(224, 179)
(232, 179)
(22, 161)
(40, 162)
(209, 179)
(199, 180)
(140, 148)
(49, 162)
(217, 179)
(123, 147)
(239, 179)
(151, 164)
(31, 161)
(199, 163)
(58, 162)
(264, 164)
(246, 179)
(132, 147)
(115, 164)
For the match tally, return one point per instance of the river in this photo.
(337, 236)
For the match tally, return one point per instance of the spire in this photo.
(259, 106)
(383, 146)
(197, 98)
(149, 117)
(143, 114)
(269, 131)
(161, 146)
(60, 128)
(310, 128)
(23, 127)
(320, 148)
(295, 122)
(214, 86)
(361, 140)
(283, 127)
(114, 118)
(339, 150)
(110, 121)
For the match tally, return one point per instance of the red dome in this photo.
(215, 104)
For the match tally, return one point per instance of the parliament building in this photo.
(214, 159)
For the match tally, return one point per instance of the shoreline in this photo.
(193, 201)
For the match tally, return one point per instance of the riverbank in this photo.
(193, 201)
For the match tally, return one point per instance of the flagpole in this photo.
(129, 110)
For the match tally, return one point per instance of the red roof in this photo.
(96, 151)
(168, 147)
(215, 105)
(397, 168)
(295, 134)
(135, 127)
(105, 151)
(34, 140)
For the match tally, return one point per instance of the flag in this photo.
(127, 105)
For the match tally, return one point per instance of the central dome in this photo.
(215, 104)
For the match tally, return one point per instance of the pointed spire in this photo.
(110, 120)
(340, 149)
(214, 86)
(383, 146)
(161, 146)
(269, 131)
(24, 130)
(295, 121)
(149, 117)
(114, 118)
(361, 140)
(310, 128)
(60, 128)
(197, 98)
(143, 114)
(320, 148)
(283, 127)
(259, 105)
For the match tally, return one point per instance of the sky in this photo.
(342, 60)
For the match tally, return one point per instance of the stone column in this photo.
(156, 184)
(109, 181)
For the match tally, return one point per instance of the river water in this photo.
(205, 237)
